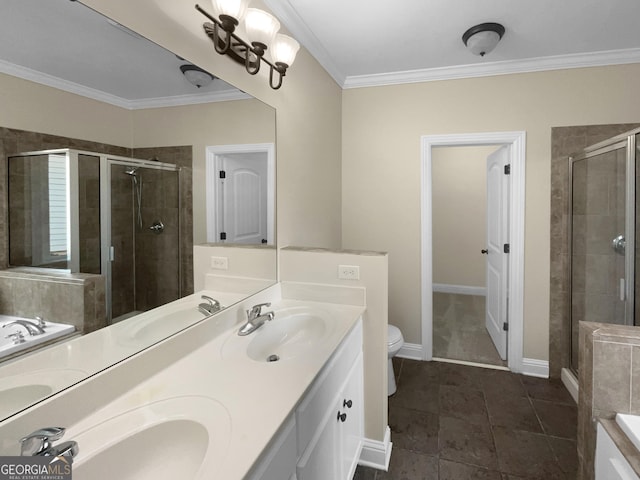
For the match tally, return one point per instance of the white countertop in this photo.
(243, 401)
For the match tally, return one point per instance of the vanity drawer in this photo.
(321, 396)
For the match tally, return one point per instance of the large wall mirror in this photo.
(100, 223)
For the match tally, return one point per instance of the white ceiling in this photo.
(66, 45)
(372, 42)
(359, 42)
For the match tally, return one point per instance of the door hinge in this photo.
(505, 326)
(223, 174)
(223, 235)
(507, 169)
(506, 248)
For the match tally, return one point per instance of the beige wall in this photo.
(382, 127)
(308, 119)
(37, 108)
(459, 192)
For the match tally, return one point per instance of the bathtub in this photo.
(9, 347)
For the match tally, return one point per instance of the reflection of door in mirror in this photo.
(240, 194)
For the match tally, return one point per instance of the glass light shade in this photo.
(196, 76)
(260, 26)
(483, 42)
(284, 49)
(232, 8)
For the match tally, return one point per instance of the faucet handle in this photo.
(212, 301)
(17, 337)
(37, 442)
(256, 310)
(41, 322)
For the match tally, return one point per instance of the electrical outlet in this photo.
(349, 272)
(220, 263)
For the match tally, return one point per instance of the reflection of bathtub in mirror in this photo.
(16, 338)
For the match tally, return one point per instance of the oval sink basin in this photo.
(291, 333)
(180, 437)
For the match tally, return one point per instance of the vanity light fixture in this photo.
(261, 29)
(196, 76)
(482, 39)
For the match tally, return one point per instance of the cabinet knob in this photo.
(342, 417)
(347, 403)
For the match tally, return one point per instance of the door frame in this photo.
(212, 166)
(515, 311)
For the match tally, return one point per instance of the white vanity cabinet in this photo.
(328, 423)
(330, 432)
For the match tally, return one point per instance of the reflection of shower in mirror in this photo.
(137, 187)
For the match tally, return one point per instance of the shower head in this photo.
(131, 171)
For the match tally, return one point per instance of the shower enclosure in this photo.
(602, 234)
(93, 213)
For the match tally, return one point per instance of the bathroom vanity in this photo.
(285, 402)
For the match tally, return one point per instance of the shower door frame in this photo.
(106, 253)
(628, 141)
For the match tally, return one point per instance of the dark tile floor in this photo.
(455, 422)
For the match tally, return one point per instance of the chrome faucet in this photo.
(255, 319)
(210, 307)
(40, 443)
(32, 328)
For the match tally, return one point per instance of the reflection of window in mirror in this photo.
(57, 246)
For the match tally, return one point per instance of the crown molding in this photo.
(77, 89)
(178, 100)
(289, 17)
(558, 62)
(55, 82)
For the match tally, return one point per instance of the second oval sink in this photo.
(293, 332)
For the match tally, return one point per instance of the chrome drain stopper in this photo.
(273, 358)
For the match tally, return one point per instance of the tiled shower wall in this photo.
(564, 142)
(18, 294)
(157, 291)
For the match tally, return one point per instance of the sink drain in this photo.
(273, 358)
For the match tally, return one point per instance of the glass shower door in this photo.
(144, 241)
(601, 239)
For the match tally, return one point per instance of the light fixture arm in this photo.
(250, 56)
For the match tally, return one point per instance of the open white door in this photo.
(497, 246)
(243, 208)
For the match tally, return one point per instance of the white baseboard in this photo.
(459, 289)
(377, 454)
(412, 351)
(535, 368)
(569, 380)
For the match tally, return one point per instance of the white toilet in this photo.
(394, 344)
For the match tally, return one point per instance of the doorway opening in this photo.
(241, 194)
(466, 326)
(502, 313)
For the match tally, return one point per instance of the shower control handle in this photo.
(157, 227)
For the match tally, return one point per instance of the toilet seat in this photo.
(394, 335)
